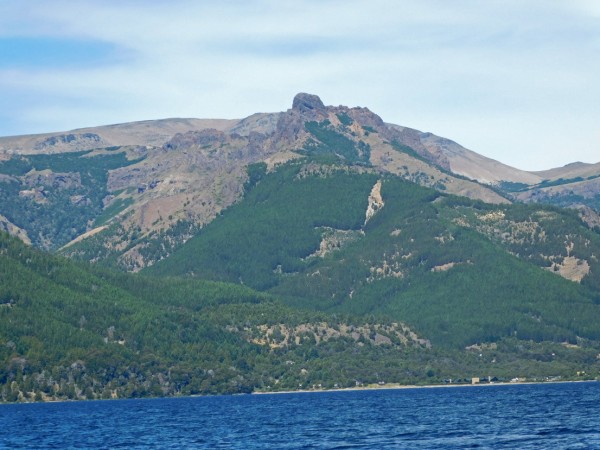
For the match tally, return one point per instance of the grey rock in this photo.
(307, 102)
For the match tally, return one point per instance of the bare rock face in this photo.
(193, 177)
(305, 103)
(80, 200)
(201, 138)
(264, 123)
(70, 140)
(587, 191)
(192, 169)
(290, 125)
(365, 117)
(308, 107)
(589, 216)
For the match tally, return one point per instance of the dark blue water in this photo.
(520, 416)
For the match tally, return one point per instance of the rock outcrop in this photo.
(56, 180)
(307, 103)
(8, 227)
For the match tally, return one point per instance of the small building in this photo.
(475, 380)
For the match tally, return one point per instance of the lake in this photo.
(563, 415)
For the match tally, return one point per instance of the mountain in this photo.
(349, 239)
(319, 246)
(146, 133)
(575, 185)
(136, 191)
(474, 166)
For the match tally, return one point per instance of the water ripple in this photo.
(556, 416)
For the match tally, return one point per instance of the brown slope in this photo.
(193, 168)
(475, 166)
(573, 170)
(148, 132)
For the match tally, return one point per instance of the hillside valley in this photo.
(318, 247)
(154, 184)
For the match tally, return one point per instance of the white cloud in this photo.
(489, 75)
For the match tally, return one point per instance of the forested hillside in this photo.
(55, 198)
(128, 195)
(314, 248)
(457, 270)
(68, 332)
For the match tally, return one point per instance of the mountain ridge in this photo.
(181, 173)
(315, 247)
(132, 133)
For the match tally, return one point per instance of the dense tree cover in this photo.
(541, 234)
(330, 142)
(344, 119)
(68, 331)
(57, 212)
(408, 150)
(449, 282)
(567, 200)
(152, 246)
(561, 181)
(253, 310)
(275, 228)
(421, 259)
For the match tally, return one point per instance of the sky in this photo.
(515, 80)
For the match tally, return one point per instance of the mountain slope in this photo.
(70, 333)
(154, 184)
(573, 170)
(165, 189)
(581, 192)
(314, 247)
(145, 133)
(475, 166)
(335, 238)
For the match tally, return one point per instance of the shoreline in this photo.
(396, 386)
(389, 386)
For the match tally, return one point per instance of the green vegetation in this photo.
(69, 332)
(331, 142)
(274, 229)
(57, 205)
(408, 150)
(369, 129)
(345, 119)
(425, 258)
(509, 186)
(94, 248)
(112, 210)
(256, 172)
(568, 199)
(153, 246)
(292, 287)
(564, 198)
(561, 181)
(450, 283)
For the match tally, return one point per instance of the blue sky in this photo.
(514, 80)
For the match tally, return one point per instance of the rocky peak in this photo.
(307, 102)
(290, 125)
